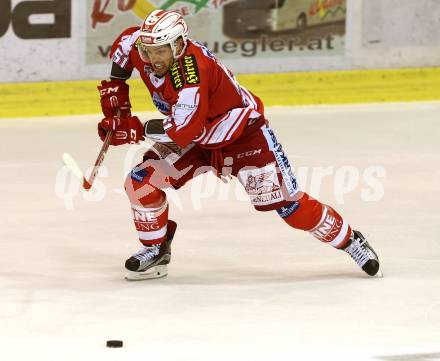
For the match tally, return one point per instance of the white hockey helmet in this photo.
(162, 27)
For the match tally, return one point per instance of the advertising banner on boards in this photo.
(240, 29)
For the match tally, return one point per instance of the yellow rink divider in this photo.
(302, 88)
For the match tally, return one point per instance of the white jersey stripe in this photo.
(214, 128)
(239, 121)
(233, 126)
(225, 126)
(249, 97)
(208, 136)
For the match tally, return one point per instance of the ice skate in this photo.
(150, 262)
(363, 254)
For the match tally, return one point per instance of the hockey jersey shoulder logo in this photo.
(191, 70)
(176, 76)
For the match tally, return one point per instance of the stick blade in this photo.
(70, 163)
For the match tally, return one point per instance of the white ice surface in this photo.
(242, 285)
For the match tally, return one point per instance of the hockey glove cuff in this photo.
(125, 130)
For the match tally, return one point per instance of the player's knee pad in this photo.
(304, 213)
(140, 190)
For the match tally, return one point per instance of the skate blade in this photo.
(379, 274)
(149, 274)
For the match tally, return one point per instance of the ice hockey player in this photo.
(209, 122)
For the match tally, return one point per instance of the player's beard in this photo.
(165, 67)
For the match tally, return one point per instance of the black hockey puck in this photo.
(114, 343)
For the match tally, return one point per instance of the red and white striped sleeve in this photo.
(227, 128)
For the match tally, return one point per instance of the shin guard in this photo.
(322, 221)
(149, 207)
(151, 223)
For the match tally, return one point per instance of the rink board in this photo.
(336, 87)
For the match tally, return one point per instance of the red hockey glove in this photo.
(125, 130)
(114, 98)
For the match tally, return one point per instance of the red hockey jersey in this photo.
(201, 98)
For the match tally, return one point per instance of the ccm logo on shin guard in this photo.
(288, 210)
